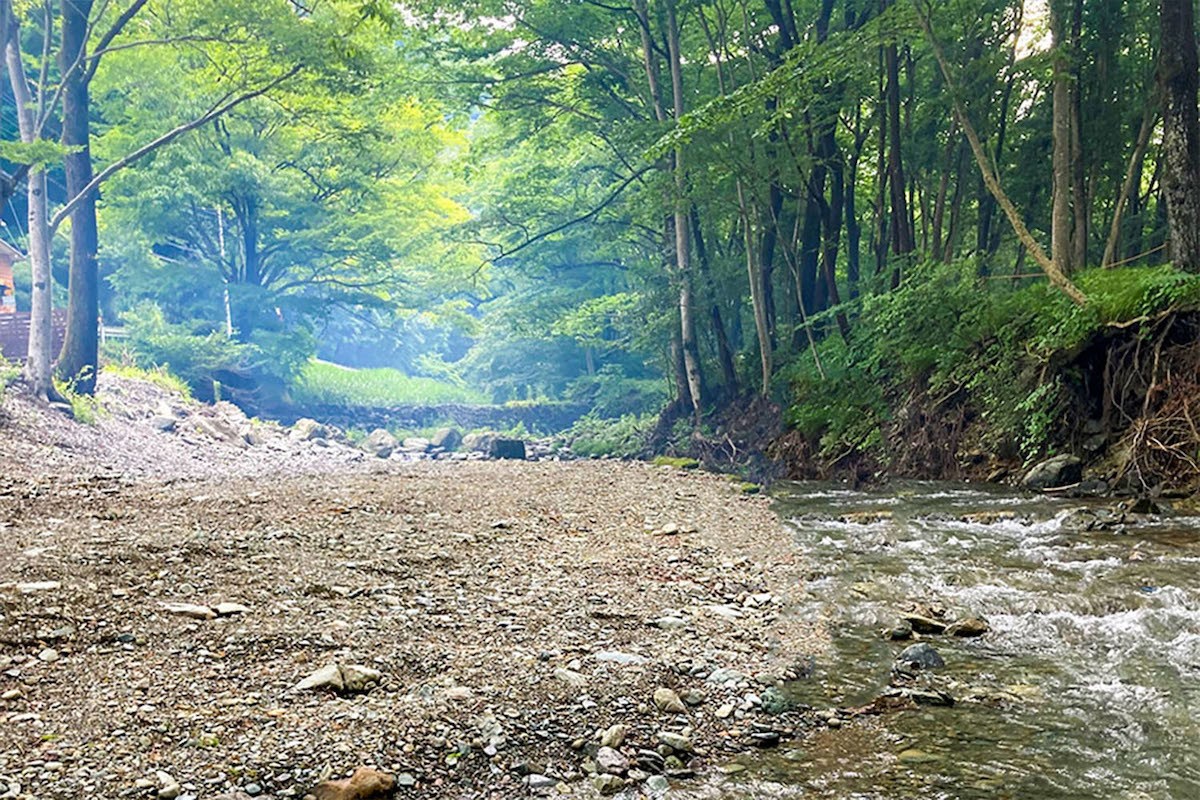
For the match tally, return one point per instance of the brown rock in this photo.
(364, 784)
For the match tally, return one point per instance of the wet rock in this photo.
(723, 676)
(1059, 471)
(969, 627)
(775, 702)
(919, 656)
(865, 517)
(925, 625)
(364, 784)
(608, 784)
(380, 443)
(901, 631)
(667, 700)
(1140, 505)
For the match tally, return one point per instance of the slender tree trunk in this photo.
(1128, 187)
(724, 351)
(939, 207)
(853, 225)
(902, 235)
(1060, 216)
(41, 334)
(761, 324)
(80, 357)
(687, 322)
(1177, 75)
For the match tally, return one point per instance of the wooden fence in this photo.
(14, 333)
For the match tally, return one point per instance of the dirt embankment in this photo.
(518, 616)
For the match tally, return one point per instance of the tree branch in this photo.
(216, 111)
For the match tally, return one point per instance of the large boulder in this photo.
(478, 442)
(307, 430)
(380, 443)
(513, 449)
(1063, 470)
(446, 439)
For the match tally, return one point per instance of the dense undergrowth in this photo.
(322, 383)
(948, 364)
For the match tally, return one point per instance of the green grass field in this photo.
(324, 383)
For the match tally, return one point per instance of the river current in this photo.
(1087, 685)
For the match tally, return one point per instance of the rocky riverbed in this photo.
(477, 629)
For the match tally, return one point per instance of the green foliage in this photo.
(612, 394)
(943, 332)
(85, 408)
(9, 373)
(159, 376)
(324, 383)
(623, 438)
(195, 356)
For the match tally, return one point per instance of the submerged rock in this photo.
(968, 627)
(919, 656)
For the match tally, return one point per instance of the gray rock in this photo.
(507, 449)
(617, 657)
(657, 785)
(415, 444)
(307, 430)
(570, 677)
(348, 679)
(164, 424)
(724, 675)
(675, 741)
(611, 761)
(229, 609)
(446, 438)
(380, 443)
(1062, 470)
(919, 656)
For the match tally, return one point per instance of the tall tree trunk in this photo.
(1177, 75)
(853, 225)
(1060, 215)
(41, 336)
(1128, 187)
(1079, 193)
(724, 351)
(902, 234)
(761, 323)
(80, 357)
(687, 322)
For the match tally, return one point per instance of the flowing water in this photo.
(1087, 685)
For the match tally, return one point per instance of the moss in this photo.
(678, 463)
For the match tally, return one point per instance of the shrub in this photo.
(320, 382)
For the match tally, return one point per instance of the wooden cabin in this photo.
(9, 256)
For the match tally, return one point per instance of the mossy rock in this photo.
(678, 463)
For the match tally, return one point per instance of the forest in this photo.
(951, 221)
(492, 399)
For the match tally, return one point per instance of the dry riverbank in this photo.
(515, 612)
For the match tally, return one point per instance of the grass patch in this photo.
(85, 408)
(322, 383)
(623, 438)
(159, 376)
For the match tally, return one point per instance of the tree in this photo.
(1178, 77)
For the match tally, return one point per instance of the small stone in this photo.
(614, 736)
(253, 789)
(608, 784)
(920, 656)
(675, 741)
(657, 784)
(971, 626)
(229, 609)
(667, 700)
(725, 711)
(570, 677)
(670, 623)
(189, 610)
(49, 655)
(926, 625)
(170, 791)
(611, 761)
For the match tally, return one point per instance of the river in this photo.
(1087, 685)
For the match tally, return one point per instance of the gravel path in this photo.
(513, 612)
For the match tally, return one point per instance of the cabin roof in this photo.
(10, 252)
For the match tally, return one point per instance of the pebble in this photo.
(657, 784)
(675, 741)
(667, 700)
(614, 736)
(49, 655)
(570, 677)
(611, 761)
